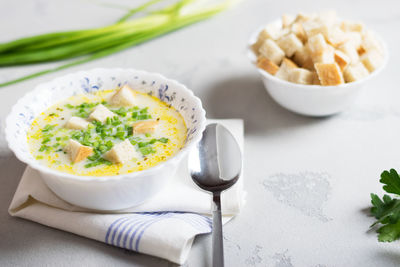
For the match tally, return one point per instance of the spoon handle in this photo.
(217, 241)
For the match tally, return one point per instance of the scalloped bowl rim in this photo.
(311, 87)
(177, 157)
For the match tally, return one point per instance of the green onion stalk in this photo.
(90, 44)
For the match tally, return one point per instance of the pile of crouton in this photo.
(317, 49)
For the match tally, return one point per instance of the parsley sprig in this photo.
(387, 209)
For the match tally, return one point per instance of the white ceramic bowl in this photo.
(106, 192)
(312, 100)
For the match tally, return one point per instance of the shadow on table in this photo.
(245, 97)
(388, 258)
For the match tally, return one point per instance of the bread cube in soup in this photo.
(143, 127)
(355, 72)
(76, 151)
(124, 96)
(329, 74)
(269, 49)
(290, 44)
(101, 113)
(301, 76)
(122, 152)
(76, 123)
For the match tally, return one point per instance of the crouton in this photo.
(144, 127)
(122, 152)
(76, 123)
(124, 96)
(316, 43)
(271, 31)
(101, 113)
(372, 60)
(298, 29)
(355, 72)
(302, 56)
(284, 69)
(315, 80)
(287, 20)
(324, 56)
(288, 63)
(301, 76)
(341, 59)
(349, 49)
(329, 74)
(301, 17)
(76, 151)
(354, 38)
(269, 49)
(314, 27)
(262, 36)
(370, 42)
(352, 26)
(267, 65)
(335, 36)
(290, 44)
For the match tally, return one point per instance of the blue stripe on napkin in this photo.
(135, 225)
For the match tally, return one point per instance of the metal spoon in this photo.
(215, 165)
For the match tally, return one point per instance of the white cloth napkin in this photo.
(164, 226)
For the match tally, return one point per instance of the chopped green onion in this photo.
(48, 127)
(143, 144)
(44, 148)
(46, 140)
(163, 140)
(95, 43)
(146, 150)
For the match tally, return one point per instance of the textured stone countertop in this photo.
(308, 180)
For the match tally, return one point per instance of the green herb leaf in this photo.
(389, 232)
(387, 209)
(392, 181)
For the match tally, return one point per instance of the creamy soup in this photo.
(109, 132)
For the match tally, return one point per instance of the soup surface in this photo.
(105, 133)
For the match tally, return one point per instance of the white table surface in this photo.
(308, 179)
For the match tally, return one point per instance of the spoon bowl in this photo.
(215, 165)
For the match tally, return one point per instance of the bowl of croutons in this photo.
(316, 64)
